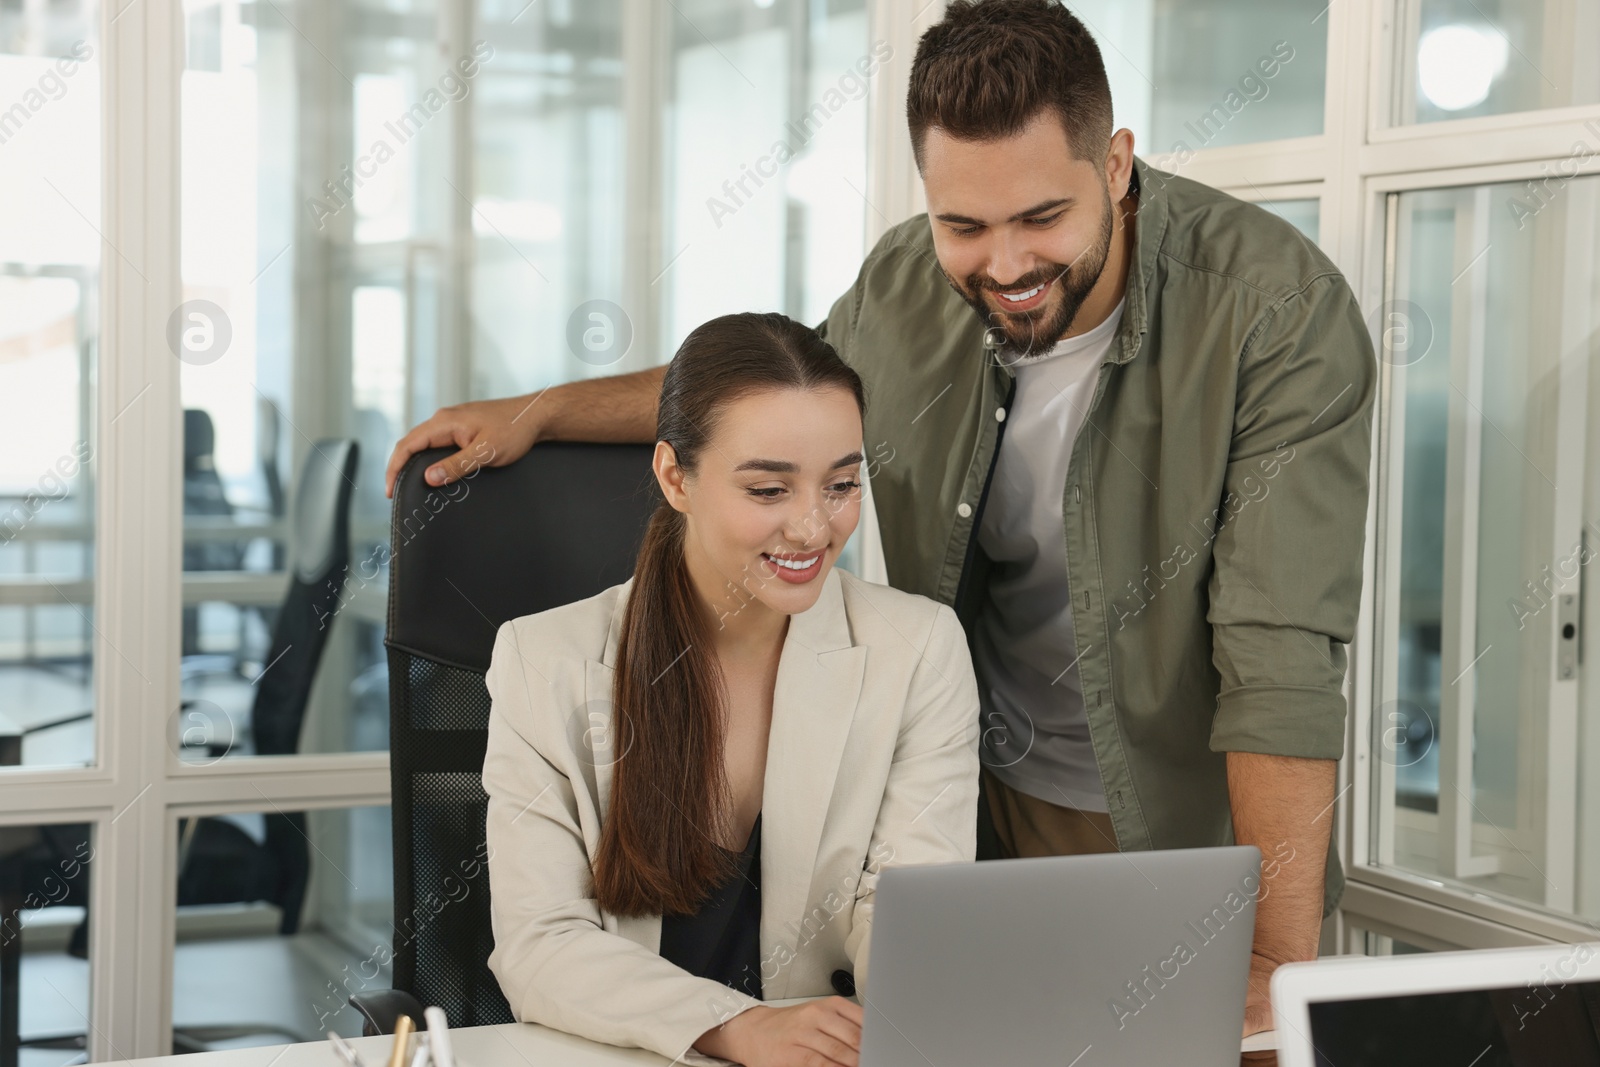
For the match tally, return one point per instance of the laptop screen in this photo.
(1554, 1025)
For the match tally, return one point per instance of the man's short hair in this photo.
(990, 66)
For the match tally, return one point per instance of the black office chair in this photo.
(39, 866)
(218, 863)
(561, 524)
(203, 494)
(269, 433)
(221, 863)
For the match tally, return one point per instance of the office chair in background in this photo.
(561, 524)
(218, 862)
(203, 495)
(32, 869)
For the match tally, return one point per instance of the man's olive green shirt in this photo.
(1215, 504)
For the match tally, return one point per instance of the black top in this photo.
(722, 941)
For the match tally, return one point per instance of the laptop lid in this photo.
(1518, 1007)
(1077, 961)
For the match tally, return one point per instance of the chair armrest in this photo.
(380, 1008)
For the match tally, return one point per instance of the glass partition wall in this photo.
(397, 205)
(51, 66)
(50, 71)
(376, 207)
(255, 241)
(1479, 746)
(1485, 719)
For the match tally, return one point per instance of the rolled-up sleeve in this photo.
(1285, 590)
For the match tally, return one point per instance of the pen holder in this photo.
(432, 1045)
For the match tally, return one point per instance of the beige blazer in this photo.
(872, 761)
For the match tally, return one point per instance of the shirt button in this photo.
(999, 414)
(964, 509)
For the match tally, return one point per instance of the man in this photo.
(1159, 570)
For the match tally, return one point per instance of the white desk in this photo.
(506, 1045)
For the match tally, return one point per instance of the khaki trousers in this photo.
(1026, 826)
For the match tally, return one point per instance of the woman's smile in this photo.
(796, 569)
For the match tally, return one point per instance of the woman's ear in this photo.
(670, 476)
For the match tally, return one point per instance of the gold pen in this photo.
(402, 1038)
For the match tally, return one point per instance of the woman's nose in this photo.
(808, 530)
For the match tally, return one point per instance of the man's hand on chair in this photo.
(496, 433)
(488, 433)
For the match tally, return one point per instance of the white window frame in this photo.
(1355, 163)
(1534, 926)
(136, 792)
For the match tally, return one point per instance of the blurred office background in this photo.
(240, 231)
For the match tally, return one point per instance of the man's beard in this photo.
(1028, 332)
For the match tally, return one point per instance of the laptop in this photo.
(1517, 1007)
(1129, 958)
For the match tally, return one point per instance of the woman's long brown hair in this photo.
(658, 851)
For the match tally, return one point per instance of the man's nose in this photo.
(1008, 263)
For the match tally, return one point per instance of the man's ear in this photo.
(669, 476)
(1119, 164)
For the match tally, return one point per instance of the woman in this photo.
(695, 776)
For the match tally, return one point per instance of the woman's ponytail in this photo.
(668, 785)
(669, 806)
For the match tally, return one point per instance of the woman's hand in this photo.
(819, 1033)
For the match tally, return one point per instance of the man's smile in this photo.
(1026, 300)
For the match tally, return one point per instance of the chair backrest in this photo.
(204, 494)
(269, 431)
(319, 560)
(269, 423)
(563, 523)
(222, 864)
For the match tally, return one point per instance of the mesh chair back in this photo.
(563, 523)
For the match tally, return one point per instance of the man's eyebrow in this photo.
(1037, 209)
(783, 466)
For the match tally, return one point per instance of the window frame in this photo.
(136, 789)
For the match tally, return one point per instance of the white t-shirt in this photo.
(1035, 732)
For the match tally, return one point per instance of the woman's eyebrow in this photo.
(783, 466)
(776, 466)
